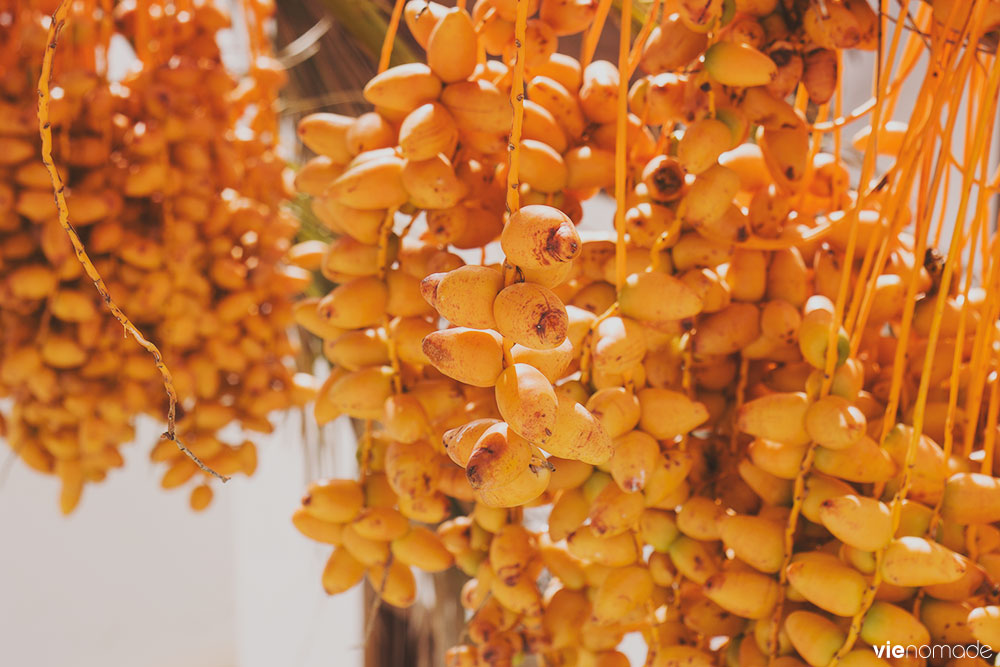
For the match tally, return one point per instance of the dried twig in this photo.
(377, 604)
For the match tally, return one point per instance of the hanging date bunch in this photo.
(174, 192)
(756, 409)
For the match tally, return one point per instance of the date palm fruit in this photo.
(702, 144)
(531, 315)
(864, 461)
(335, 500)
(815, 637)
(692, 559)
(971, 498)
(653, 296)
(834, 423)
(577, 434)
(451, 46)
(667, 414)
(837, 589)
(617, 409)
(467, 355)
(859, 521)
(613, 511)
(888, 622)
(746, 594)
(568, 513)
(524, 488)
(612, 551)
(527, 402)
(538, 236)
(688, 463)
(757, 541)
(739, 64)
(915, 561)
(342, 572)
(181, 299)
(623, 590)
(728, 330)
(777, 417)
(464, 296)
(498, 456)
(394, 583)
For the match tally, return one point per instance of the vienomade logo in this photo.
(936, 651)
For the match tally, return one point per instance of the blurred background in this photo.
(135, 578)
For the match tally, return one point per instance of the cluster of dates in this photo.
(735, 408)
(176, 197)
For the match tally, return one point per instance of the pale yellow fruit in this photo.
(887, 622)
(537, 236)
(404, 87)
(700, 518)
(542, 167)
(599, 91)
(498, 457)
(464, 296)
(666, 414)
(432, 183)
(362, 393)
(325, 134)
(423, 549)
(531, 315)
(478, 106)
(623, 590)
(618, 345)
(693, 559)
(657, 297)
(577, 434)
(971, 498)
(373, 184)
(334, 500)
(835, 588)
(728, 330)
(757, 541)
(426, 131)
(614, 512)
(702, 144)
(738, 64)
(914, 561)
(635, 458)
(815, 637)
(862, 522)
(459, 441)
(342, 572)
(527, 402)
(776, 417)
(530, 484)
(614, 551)
(863, 462)
(451, 46)
(397, 586)
(468, 355)
(746, 594)
(616, 408)
(834, 423)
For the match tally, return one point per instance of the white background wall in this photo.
(135, 579)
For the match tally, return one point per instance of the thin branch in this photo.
(377, 605)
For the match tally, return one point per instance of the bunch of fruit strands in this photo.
(835, 447)
(702, 401)
(188, 242)
(194, 155)
(67, 417)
